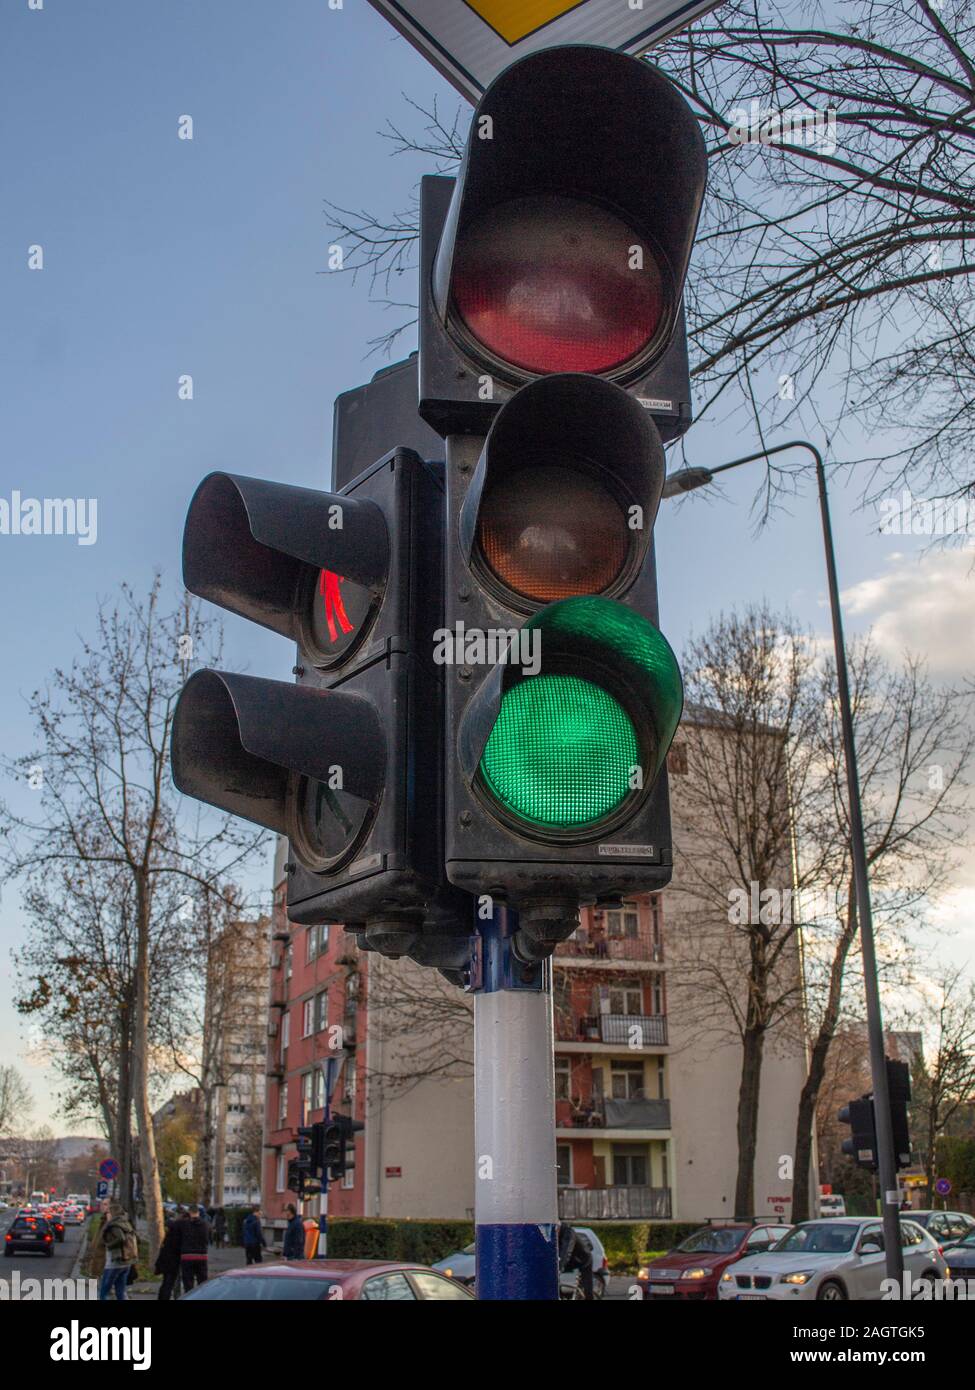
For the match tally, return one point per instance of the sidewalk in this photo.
(220, 1259)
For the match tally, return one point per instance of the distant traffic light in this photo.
(347, 761)
(305, 1144)
(859, 1115)
(344, 1146)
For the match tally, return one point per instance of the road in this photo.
(33, 1266)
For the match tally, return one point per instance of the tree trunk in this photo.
(123, 1116)
(151, 1195)
(753, 1045)
(817, 1066)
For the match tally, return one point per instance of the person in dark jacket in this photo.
(575, 1253)
(168, 1263)
(253, 1237)
(192, 1237)
(294, 1235)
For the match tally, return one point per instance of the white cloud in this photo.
(924, 604)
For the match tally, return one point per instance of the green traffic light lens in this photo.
(561, 752)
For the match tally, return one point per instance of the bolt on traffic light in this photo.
(551, 358)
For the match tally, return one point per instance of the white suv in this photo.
(830, 1260)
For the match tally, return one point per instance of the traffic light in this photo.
(296, 1177)
(899, 1092)
(553, 362)
(332, 1147)
(563, 244)
(343, 1147)
(862, 1144)
(346, 761)
(306, 1143)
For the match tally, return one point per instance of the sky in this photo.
(166, 258)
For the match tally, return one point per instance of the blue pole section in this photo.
(515, 1203)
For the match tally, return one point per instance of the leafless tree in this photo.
(420, 1027)
(16, 1101)
(946, 1082)
(914, 743)
(105, 796)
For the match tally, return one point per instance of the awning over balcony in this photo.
(636, 1114)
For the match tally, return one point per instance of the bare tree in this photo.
(420, 1027)
(750, 717)
(945, 1084)
(16, 1101)
(106, 797)
(914, 743)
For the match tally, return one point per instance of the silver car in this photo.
(833, 1259)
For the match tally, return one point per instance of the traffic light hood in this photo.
(259, 549)
(559, 748)
(609, 135)
(565, 493)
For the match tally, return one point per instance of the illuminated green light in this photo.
(561, 753)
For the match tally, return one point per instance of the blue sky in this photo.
(165, 257)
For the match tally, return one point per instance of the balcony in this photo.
(596, 946)
(631, 1031)
(633, 1113)
(614, 1203)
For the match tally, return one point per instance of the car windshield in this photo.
(712, 1242)
(266, 1289)
(820, 1240)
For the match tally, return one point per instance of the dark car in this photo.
(947, 1227)
(960, 1259)
(30, 1233)
(694, 1268)
(330, 1281)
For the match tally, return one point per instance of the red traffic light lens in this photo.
(551, 532)
(552, 284)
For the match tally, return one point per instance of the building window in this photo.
(316, 942)
(677, 759)
(656, 994)
(321, 1011)
(308, 1018)
(280, 1174)
(283, 1103)
(626, 998)
(563, 1074)
(317, 1089)
(625, 924)
(306, 1087)
(288, 961)
(348, 1178)
(563, 1164)
(630, 1166)
(285, 1030)
(655, 930)
(661, 1081)
(627, 1080)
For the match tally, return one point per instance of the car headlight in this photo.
(702, 1273)
(727, 1277)
(799, 1276)
(449, 1273)
(643, 1272)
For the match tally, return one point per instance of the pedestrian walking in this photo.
(253, 1235)
(121, 1245)
(294, 1235)
(192, 1238)
(219, 1226)
(168, 1264)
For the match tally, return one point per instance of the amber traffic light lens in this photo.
(552, 284)
(550, 532)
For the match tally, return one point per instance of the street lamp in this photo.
(686, 480)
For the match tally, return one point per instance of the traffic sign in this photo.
(102, 1190)
(942, 1187)
(108, 1168)
(471, 41)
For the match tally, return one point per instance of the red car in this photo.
(330, 1281)
(694, 1268)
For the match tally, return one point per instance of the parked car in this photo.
(29, 1233)
(947, 1227)
(830, 1260)
(460, 1265)
(694, 1268)
(832, 1204)
(960, 1259)
(330, 1281)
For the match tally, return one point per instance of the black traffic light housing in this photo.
(862, 1143)
(343, 1145)
(572, 128)
(347, 761)
(859, 1115)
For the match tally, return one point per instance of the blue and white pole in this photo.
(515, 1202)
